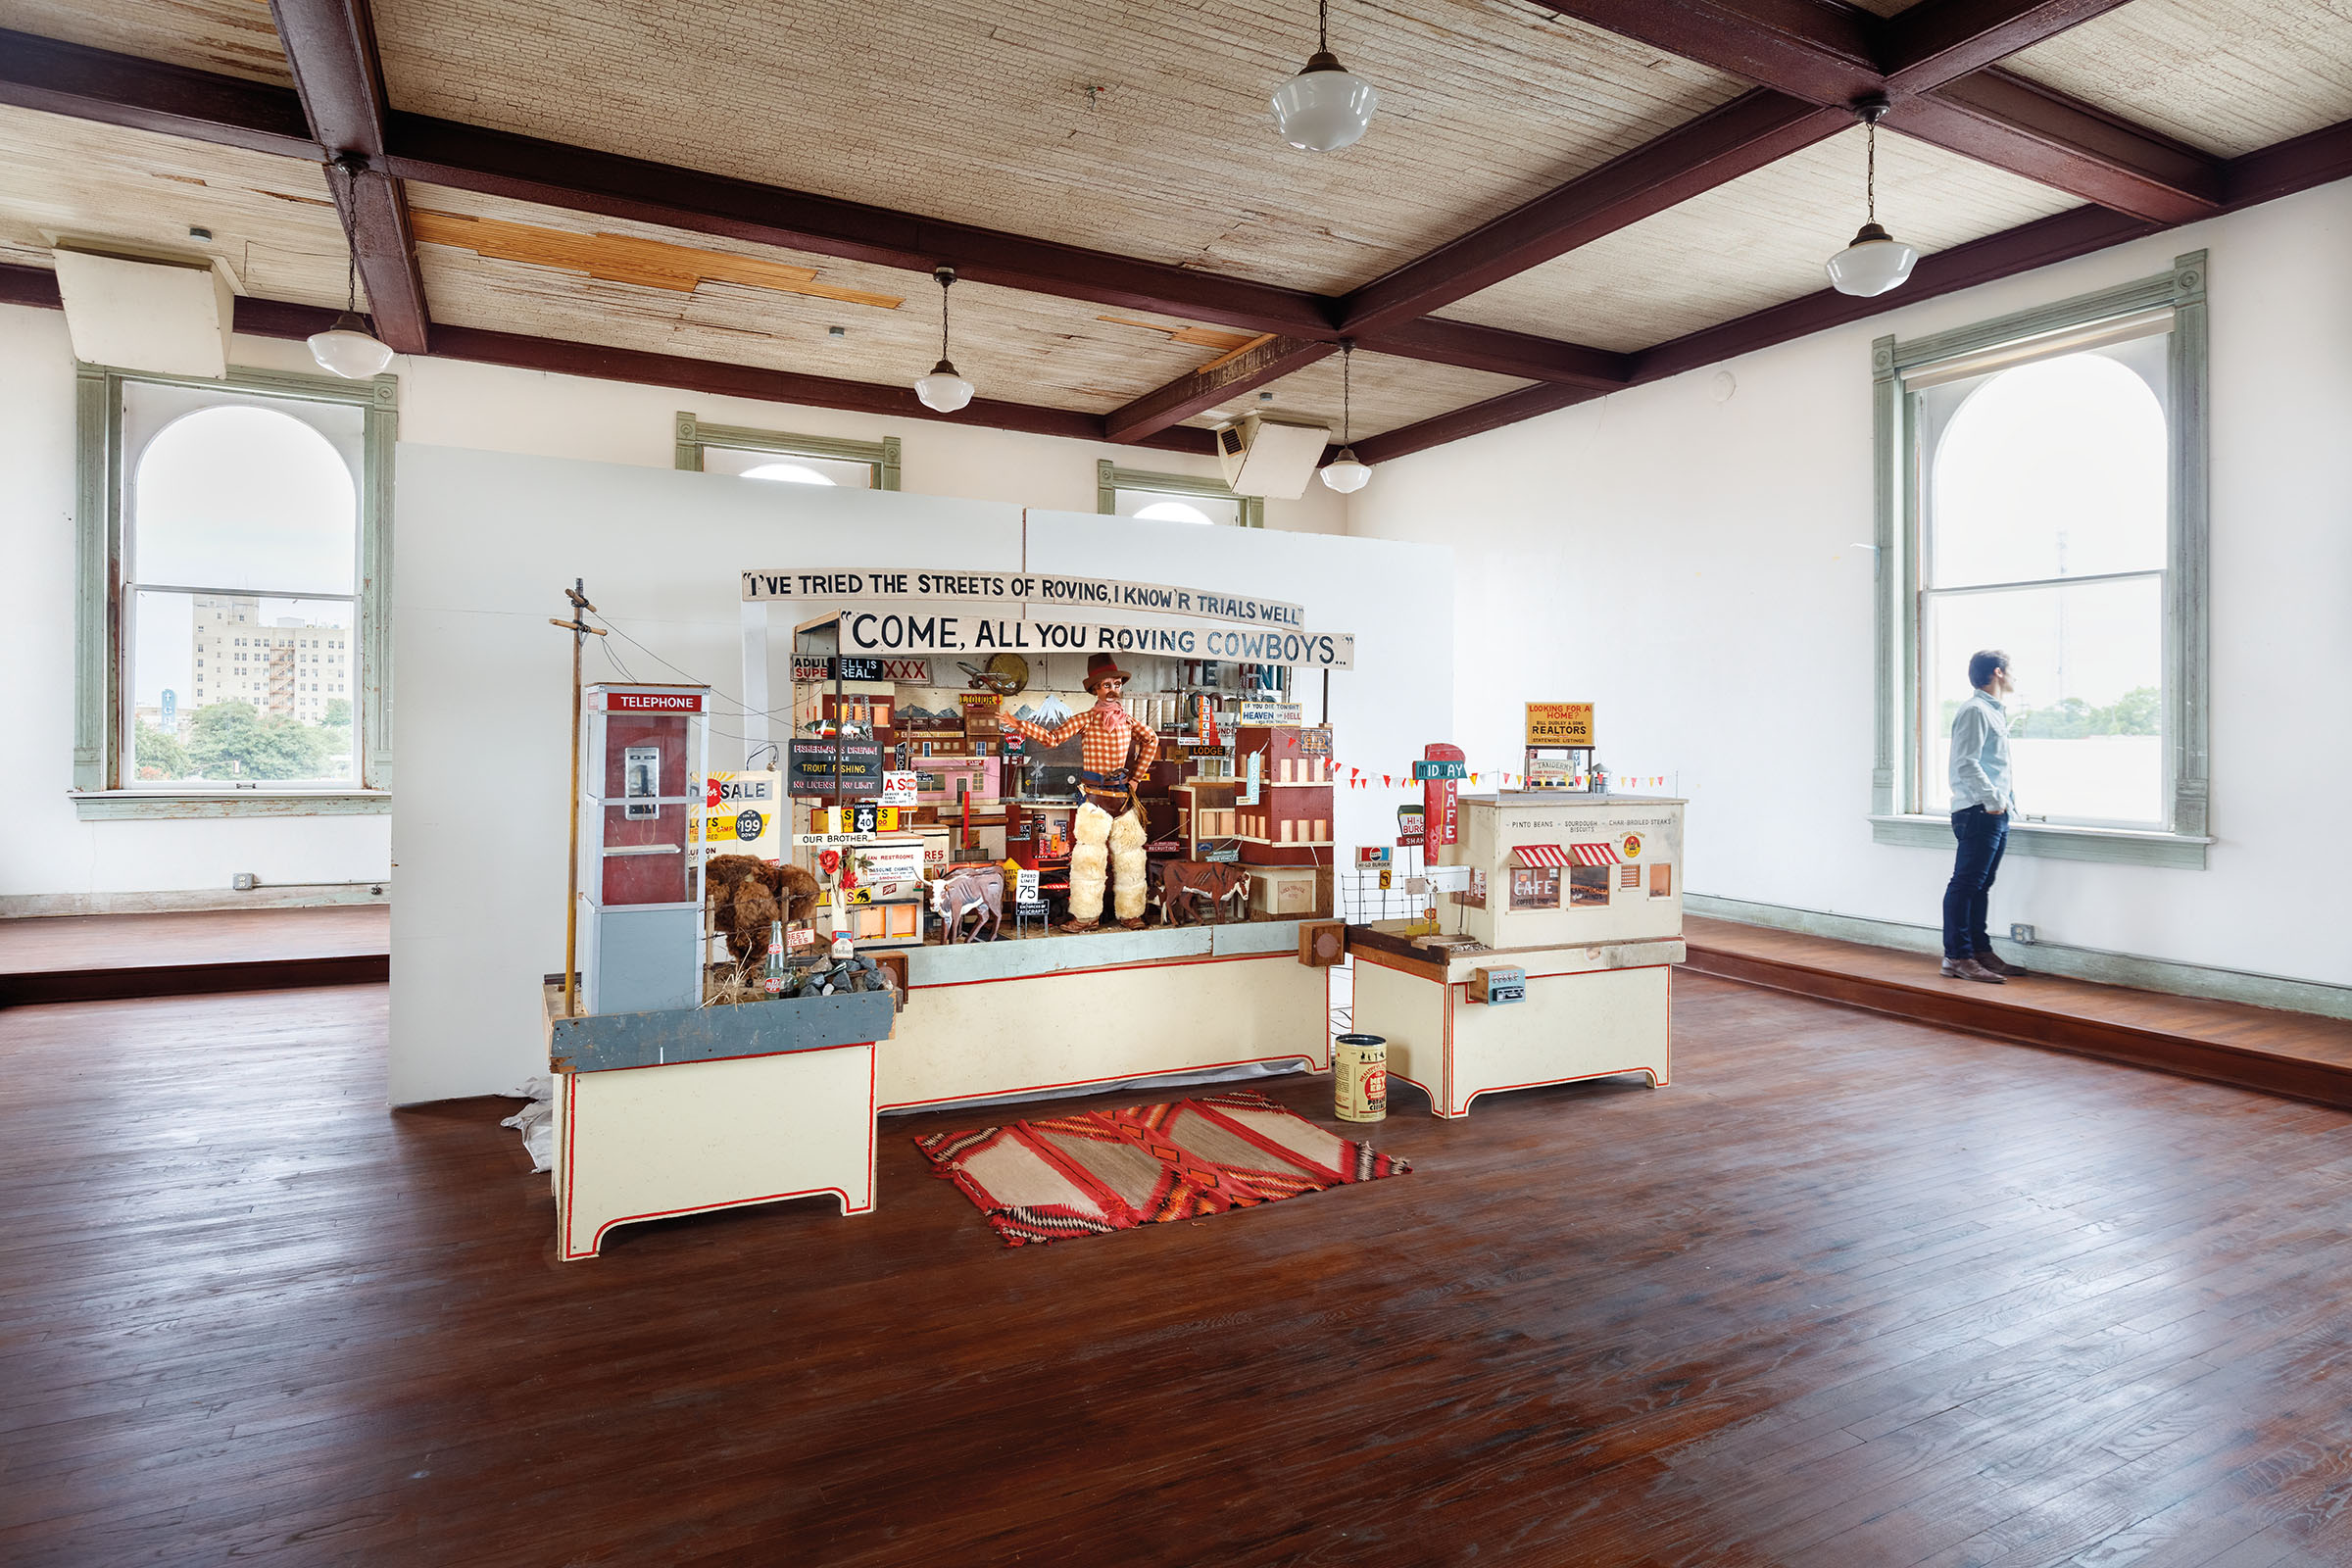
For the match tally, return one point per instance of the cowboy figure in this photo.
(1118, 752)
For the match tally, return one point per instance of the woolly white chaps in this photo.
(1118, 845)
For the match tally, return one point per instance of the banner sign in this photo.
(1018, 588)
(893, 633)
(1560, 723)
(810, 767)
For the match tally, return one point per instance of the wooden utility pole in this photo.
(580, 631)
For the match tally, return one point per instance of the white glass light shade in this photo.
(349, 350)
(943, 389)
(1345, 474)
(1872, 264)
(1323, 108)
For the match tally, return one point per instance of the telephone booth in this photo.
(645, 754)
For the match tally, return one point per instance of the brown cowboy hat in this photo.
(1101, 667)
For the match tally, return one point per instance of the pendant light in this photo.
(1323, 108)
(348, 348)
(1876, 261)
(1345, 474)
(943, 389)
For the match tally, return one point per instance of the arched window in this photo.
(2044, 501)
(238, 515)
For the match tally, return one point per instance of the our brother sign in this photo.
(1021, 588)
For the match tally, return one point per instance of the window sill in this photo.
(2108, 845)
(155, 805)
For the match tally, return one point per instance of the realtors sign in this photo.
(996, 588)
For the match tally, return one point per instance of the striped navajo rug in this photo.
(1111, 1170)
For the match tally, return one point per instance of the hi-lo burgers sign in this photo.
(898, 613)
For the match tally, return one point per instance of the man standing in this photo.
(1980, 803)
(1119, 750)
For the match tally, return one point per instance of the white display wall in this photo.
(488, 541)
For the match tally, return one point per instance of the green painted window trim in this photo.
(1110, 479)
(2187, 631)
(694, 437)
(99, 795)
(147, 806)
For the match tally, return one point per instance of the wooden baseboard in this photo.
(192, 979)
(2296, 1078)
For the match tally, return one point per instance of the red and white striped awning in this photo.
(1529, 857)
(1594, 854)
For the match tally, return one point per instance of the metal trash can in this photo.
(1359, 1078)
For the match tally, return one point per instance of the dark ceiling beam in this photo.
(1757, 128)
(1199, 391)
(280, 319)
(330, 44)
(1942, 41)
(1933, 61)
(492, 163)
(1491, 349)
(1817, 50)
(2064, 143)
(2283, 169)
(84, 84)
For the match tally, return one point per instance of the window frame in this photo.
(694, 438)
(1110, 479)
(99, 719)
(1900, 577)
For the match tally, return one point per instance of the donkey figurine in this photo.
(963, 889)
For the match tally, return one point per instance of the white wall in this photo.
(1690, 565)
(488, 541)
(48, 856)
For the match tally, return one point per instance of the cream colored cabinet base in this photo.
(649, 1143)
(1576, 1023)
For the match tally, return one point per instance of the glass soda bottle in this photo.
(776, 976)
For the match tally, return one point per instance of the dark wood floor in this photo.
(203, 936)
(108, 957)
(2298, 1054)
(1852, 1290)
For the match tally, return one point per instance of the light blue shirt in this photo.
(1981, 754)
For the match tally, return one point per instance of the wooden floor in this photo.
(2295, 1053)
(88, 956)
(1854, 1291)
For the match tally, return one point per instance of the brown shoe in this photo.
(1969, 969)
(2000, 965)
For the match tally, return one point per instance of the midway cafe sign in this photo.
(880, 633)
(993, 588)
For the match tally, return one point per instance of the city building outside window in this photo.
(248, 519)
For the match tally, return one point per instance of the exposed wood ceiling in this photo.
(1557, 199)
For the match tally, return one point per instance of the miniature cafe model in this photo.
(1003, 855)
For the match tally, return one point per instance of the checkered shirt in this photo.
(1107, 728)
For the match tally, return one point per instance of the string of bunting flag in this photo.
(1402, 778)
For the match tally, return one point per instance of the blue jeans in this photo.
(1983, 837)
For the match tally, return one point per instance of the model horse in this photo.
(963, 889)
(1183, 886)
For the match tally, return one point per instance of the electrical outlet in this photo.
(2021, 933)
(243, 881)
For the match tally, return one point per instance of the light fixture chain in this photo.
(1323, 26)
(1869, 177)
(1346, 395)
